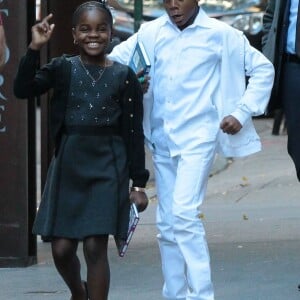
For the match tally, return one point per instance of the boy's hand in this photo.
(41, 33)
(230, 125)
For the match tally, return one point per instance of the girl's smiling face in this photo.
(92, 33)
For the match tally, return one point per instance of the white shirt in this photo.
(185, 78)
(223, 47)
(291, 34)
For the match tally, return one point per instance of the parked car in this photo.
(245, 15)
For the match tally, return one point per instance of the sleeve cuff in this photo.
(32, 53)
(141, 181)
(241, 116)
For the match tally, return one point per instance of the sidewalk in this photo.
(251, 216)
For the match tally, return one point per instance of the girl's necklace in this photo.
(94, 80)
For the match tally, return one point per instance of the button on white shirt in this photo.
(185, 82)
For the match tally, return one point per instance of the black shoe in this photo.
(299, 287)
(46, 239)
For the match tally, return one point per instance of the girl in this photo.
(96, 122)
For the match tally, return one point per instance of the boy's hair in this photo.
(101, 5)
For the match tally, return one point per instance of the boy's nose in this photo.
(173, 3)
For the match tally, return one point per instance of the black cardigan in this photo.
(31, 81)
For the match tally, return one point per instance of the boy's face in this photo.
(93, 32)
(181, 12)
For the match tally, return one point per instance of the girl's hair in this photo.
(101, 5)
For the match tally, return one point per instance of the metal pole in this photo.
(138, 14)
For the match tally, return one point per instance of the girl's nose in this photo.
(94, 33)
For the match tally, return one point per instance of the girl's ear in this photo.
(74, 34)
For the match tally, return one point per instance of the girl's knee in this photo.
(95, 249)
(63, 249)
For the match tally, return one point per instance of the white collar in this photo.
(201, 20)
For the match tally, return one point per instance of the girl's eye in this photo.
(102, 28)
(83, 29)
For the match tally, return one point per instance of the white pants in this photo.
(181, 185)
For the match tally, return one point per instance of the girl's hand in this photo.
(140, 199)
(144, 81)
(41, 33)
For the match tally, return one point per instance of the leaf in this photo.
(245, 217)
(201, 216)
(245, 181)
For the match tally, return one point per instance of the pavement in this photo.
(251, 216)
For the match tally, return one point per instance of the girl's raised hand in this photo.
(41, 33)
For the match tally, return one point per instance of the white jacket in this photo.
(239, 61)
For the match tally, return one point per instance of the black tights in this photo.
(68, 265)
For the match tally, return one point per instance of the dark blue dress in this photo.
(86, 191)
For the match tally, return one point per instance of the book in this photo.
(140, 59)
(122, 244)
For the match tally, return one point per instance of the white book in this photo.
(140, 59)
(122, 244)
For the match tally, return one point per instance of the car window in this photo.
(223, 6)
(244, 15)
(210, 6)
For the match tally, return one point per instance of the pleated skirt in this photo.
(86, 191)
